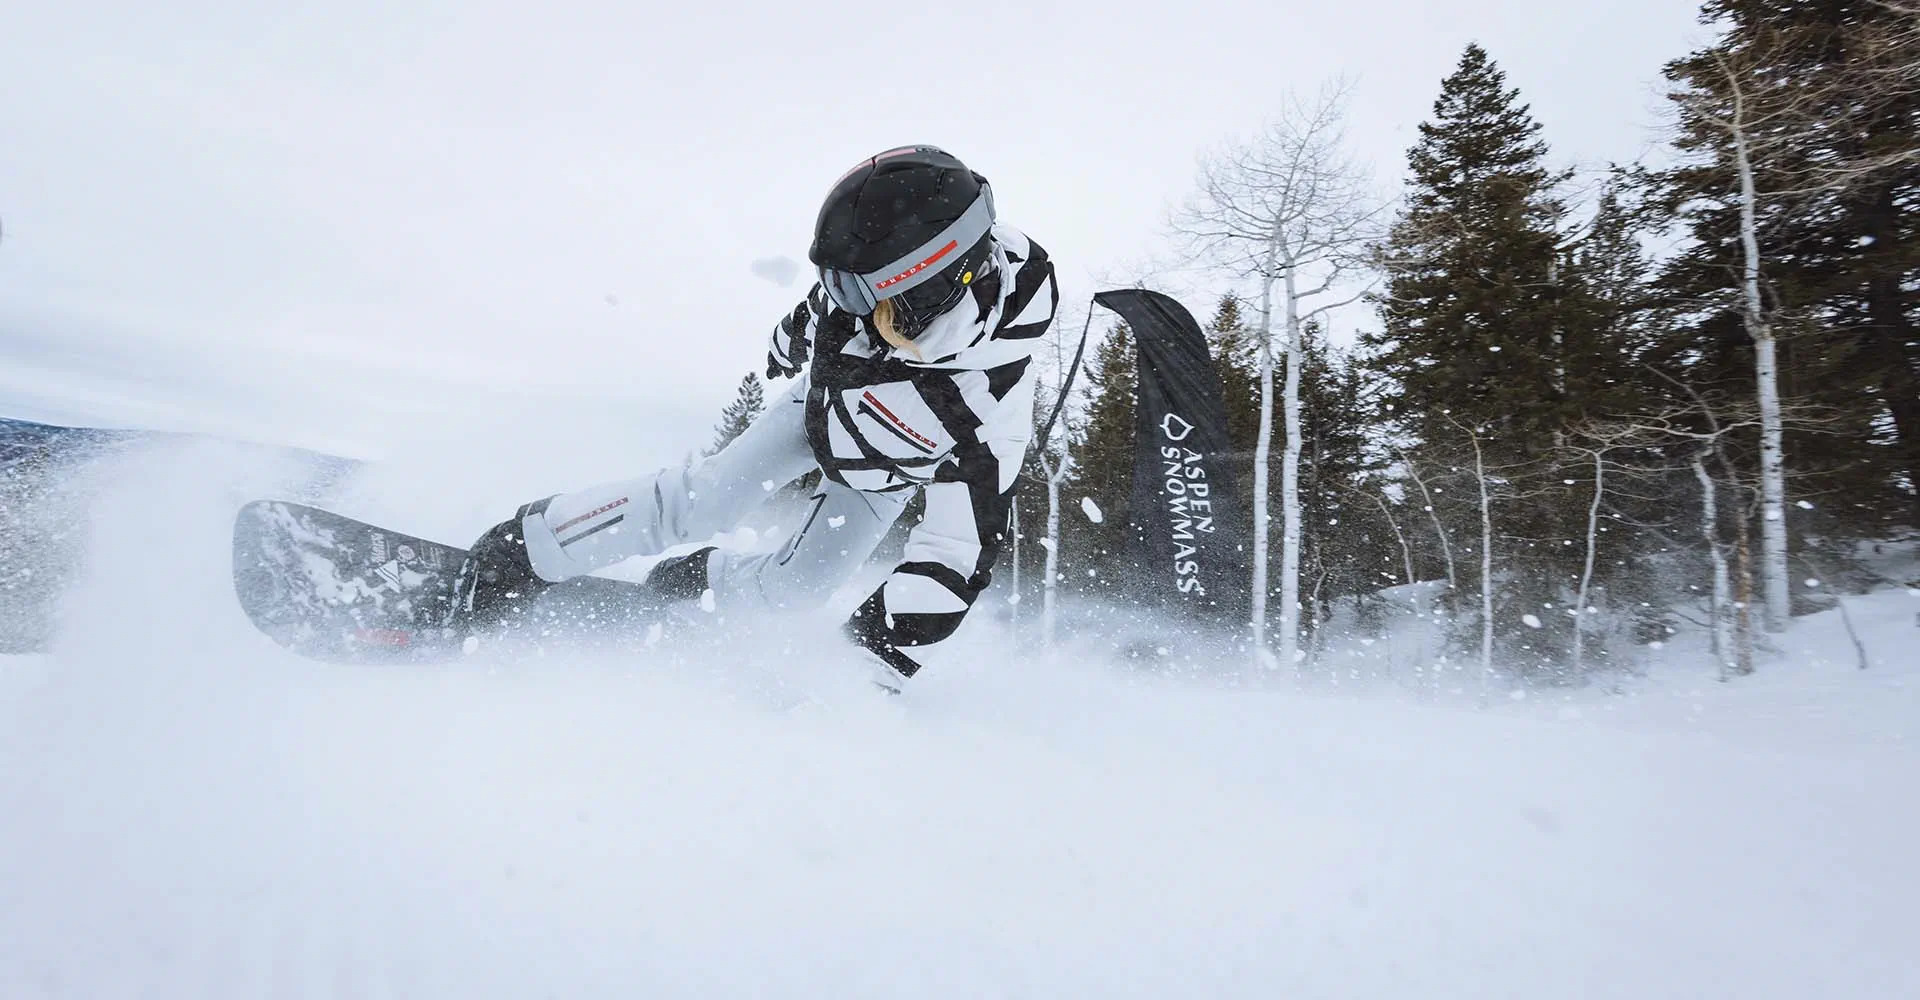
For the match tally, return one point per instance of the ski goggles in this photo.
(860, 293)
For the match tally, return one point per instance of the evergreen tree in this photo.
(1604, 303)
(1236, 361)
(748, 400)
(1831, 96)
(1103, 468)
(1343, 539)
(1498, 341)
(1470, 314)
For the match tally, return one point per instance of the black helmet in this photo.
(911, 225)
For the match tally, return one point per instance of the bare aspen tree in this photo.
(1439, 528)
(1056, 462)
(1056, 469)
(1406, 552)
(1290, 208)
(1739, 116)
(1486, 563)
(1721, 611)
(1581, 599)
(1486, 555)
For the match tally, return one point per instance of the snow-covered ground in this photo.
(186, 811)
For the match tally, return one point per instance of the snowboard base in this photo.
(333, 588)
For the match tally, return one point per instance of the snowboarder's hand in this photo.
(884, 675)
(787, 354)
(496, 580)
(868, 630)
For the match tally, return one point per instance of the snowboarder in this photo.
(911, 365)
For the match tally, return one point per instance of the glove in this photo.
(496, 580)
(884, 675)
(787, 354)
(868, 630)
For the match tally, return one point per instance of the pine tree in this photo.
(1494, 349)
(1470, 315)
(1344, 540)
(1831, 95)
(1604, 292)
(748, 400)
(1236, 361)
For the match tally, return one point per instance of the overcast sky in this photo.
(363, 225)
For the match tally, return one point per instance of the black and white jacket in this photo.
(954, 421)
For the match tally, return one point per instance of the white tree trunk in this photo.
(1317, 614)
(1013, 528)
(1439, 530)
(1290, 486)
(1486, 567)
(1263, 447)
(1722, 597)
(1586, 572)
(1773, 472)
(1051, 577)
(1773, 489)
(1406, 552)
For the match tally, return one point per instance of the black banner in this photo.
(1186, 523)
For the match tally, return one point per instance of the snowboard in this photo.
(337, 589)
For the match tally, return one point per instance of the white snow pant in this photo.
(597, 527)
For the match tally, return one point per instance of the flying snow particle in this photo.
(706, 600)
(1569, 482)
(1531, 621)
(1813, 583)
(1773, 515)
(767, 485)
(1092, 510)
(779, 270)
(1495, 348)
(835, 522)
(1804, 505)
(1013, 598)
(470, 644)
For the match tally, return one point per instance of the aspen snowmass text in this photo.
(1190, 508)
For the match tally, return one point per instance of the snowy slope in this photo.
(186, 811)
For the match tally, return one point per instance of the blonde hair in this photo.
(882, 323)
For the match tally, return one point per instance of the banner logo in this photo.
(1175, 427)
